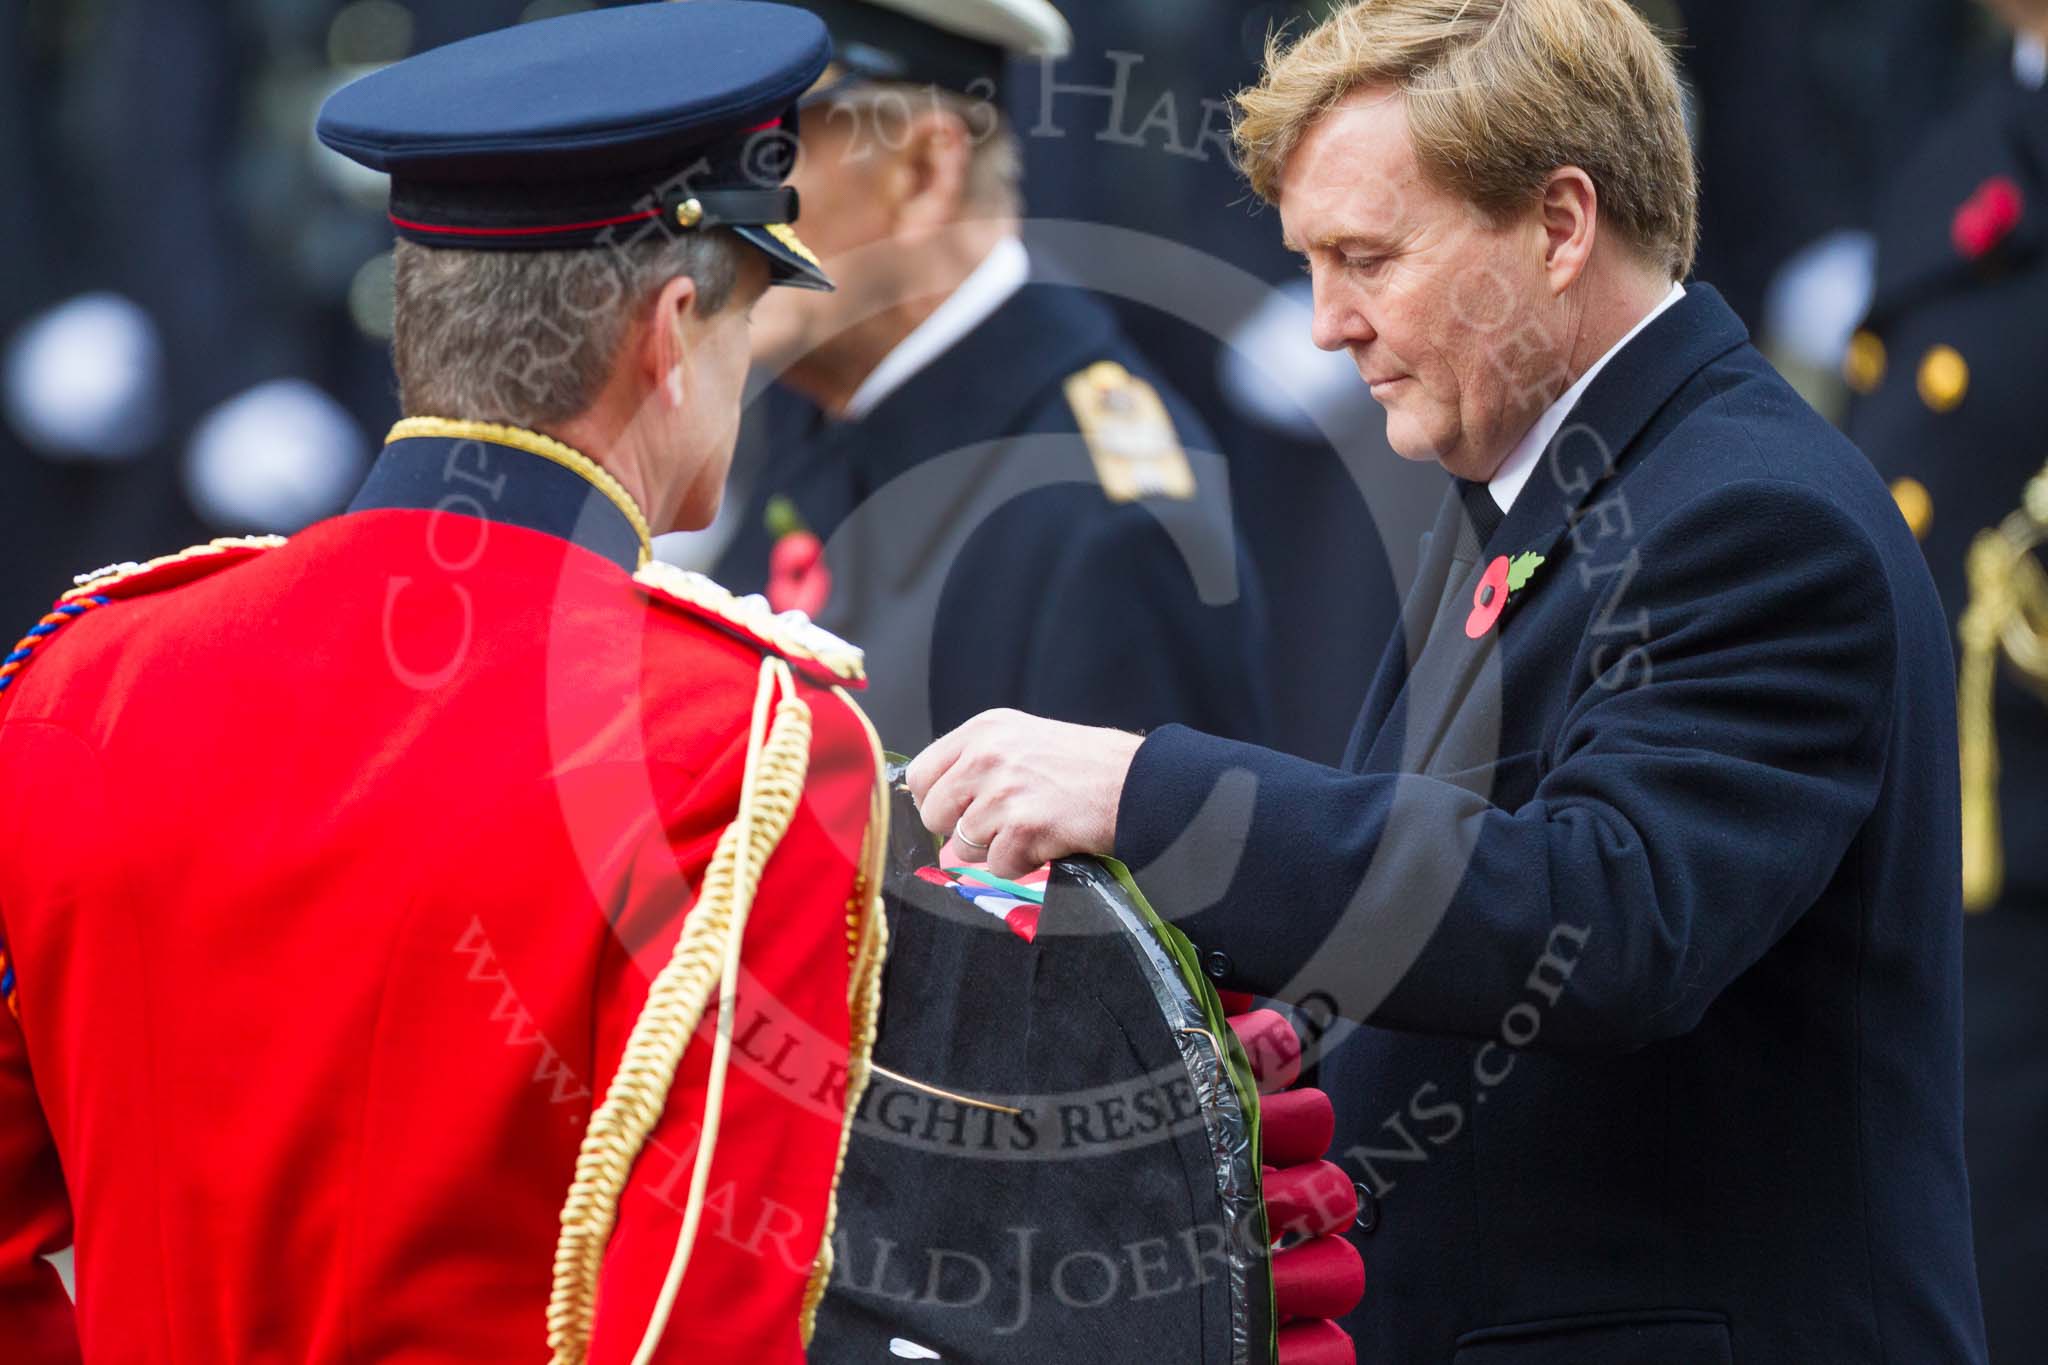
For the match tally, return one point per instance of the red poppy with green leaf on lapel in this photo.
(1503, 578)
(798, 579)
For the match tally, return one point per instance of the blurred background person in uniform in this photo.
(1951, 405)
(985, 485)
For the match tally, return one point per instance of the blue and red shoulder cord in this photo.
(17, 658)
(61, 615)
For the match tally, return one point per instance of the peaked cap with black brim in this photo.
(593, 129)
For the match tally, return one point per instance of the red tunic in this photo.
(332, 878)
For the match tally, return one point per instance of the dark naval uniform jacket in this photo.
(1642, 871)
(1031, 521)
(1953, 411)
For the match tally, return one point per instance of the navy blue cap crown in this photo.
(595, 128)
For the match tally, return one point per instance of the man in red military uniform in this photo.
(446, 933)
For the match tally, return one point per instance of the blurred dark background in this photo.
(197, 299)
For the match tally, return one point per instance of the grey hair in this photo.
(529, 337)
(995, 174)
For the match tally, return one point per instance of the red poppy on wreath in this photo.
(1502, 578)
(1987, 217)
(798, 579)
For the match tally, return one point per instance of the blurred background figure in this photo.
(199, 298)
(195, 330)
(1950, 405)
(194, 321)
(966, 470)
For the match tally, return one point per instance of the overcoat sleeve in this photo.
(1697, 796)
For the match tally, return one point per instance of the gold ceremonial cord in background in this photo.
(705, 958)
(2008, 611)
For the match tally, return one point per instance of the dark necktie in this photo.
(1481, 509)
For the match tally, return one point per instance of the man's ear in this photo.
(933, 167)
(671, 330)
(1570, 217)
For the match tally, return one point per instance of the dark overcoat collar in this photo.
(1411, 705)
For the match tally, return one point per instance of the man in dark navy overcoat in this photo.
(1641, 874)
(1951, 409)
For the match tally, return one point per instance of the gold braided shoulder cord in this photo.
(2008, 611)
(99, 580)
(706, 956)
(868, 928)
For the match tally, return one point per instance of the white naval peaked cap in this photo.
(1022, 28)
(960, 45)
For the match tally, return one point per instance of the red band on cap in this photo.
(522, 231)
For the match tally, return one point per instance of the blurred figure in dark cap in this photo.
(973, 474)
(1952, 408)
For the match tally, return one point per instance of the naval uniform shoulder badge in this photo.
(790, 634)
(1130, 435)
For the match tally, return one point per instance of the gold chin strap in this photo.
(2008, 613)
(706, 958)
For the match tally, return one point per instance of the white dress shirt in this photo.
(1507, 484)
(2030, 60)
(1001, 273)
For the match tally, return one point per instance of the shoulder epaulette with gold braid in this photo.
(790, 634)
(165, 571)
(102, 586)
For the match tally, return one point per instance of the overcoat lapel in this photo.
(1418, 614)
(1442, 696)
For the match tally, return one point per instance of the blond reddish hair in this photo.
(1500, 93)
